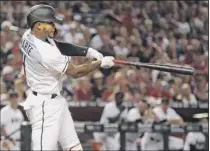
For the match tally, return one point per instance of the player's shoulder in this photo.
(110, 104)
(171, 109)
(133, 111)
(5, 109)
(48, 51)
(156, 109)
(133, 114)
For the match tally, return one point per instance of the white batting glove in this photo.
(94, 54)
(107, 62)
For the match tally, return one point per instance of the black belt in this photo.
(155, 140)
(52, 95)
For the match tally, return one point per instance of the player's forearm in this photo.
(175, 121)
(68, 49)
(84, 69)
(3, 131)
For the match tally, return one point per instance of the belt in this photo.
(155, 140)
(52, 95)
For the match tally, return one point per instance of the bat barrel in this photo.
(161, 67)
(174, 69)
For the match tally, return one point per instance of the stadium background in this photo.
(146, 31)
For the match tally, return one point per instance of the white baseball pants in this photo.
(51, 123)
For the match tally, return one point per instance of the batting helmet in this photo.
(41, 13)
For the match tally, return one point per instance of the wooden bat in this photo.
(161, 67)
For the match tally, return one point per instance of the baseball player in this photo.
(139, 114)
(45, 61)
(11, 119)
(114, 113)
(154, 141)
(195, 141)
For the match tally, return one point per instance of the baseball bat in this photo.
(162, 67)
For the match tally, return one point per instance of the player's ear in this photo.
(38, 26)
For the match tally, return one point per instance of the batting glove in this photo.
(107, 62)
(94, 54)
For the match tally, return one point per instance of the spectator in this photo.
(201, 93)
(5, 49)
(96, 41)
(83, 91)
(98, 84)
(158, 91)
(132, 82)
(186, 96)
(74, 36)
(120, 48)
(8, 77)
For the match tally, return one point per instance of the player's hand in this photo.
(94, 54)
(107, 62)
(5, 144)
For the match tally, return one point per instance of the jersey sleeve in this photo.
(159, 114)
(104, 117)
(174, 115)
(4, 118)
(131, 116)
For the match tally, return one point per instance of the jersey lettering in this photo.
(15, 120)
(26, 46)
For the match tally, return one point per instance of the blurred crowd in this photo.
(145, 31)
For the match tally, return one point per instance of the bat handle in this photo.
(118, 61)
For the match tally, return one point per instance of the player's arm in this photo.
(176, 121)
(3, 131)
(175, 118)
(69, 49)
(82, 70)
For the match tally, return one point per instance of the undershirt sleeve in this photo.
(68, 49)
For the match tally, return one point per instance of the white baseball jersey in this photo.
(171, 114)
(11, 119)
(110, 111)
(197, 139)
(44, 64)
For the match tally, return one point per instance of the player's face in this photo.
(142, 105)
(47, 29)
(165, 107)
(13, 100)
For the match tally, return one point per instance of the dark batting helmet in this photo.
(41, 13)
